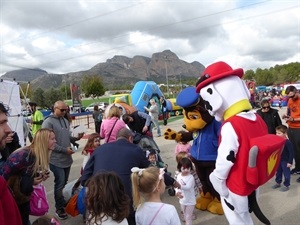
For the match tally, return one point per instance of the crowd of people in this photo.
(124, 182)
(50, 149)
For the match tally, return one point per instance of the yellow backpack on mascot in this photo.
(204, 130)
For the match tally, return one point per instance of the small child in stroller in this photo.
(154, 160)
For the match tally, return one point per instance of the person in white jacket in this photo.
(186, 193)
(153, 112)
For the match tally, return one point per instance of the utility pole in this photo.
(66, 89)
(167, 76)
(180, 83)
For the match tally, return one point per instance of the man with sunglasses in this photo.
(61, 157)
(269, 115)
(292, 118)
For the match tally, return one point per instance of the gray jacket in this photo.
(61, 128)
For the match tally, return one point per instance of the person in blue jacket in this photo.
(120, 156)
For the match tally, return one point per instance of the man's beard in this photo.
(2, 144)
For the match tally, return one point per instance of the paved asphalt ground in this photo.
(281, 208)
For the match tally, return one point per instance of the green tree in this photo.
(52, 95)
(65, 89)
(92, 85)
(249, 75)
(38, 96)
(25, 90)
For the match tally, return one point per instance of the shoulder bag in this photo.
(111, 130)
(156, 214)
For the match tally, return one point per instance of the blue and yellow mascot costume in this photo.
(204, 130)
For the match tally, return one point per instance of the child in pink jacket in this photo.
(182, 147)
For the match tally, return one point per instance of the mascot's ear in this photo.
(212, 98)
(201, 108)
(246, 88)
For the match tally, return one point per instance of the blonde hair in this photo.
(39, 148)
(114, 111)
(143, 184)
(181, 155)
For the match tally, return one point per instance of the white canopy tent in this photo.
(10, 95)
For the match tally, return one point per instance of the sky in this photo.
(62, 36)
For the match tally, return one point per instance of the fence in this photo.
(84, 118)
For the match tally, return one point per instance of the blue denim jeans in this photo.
(61, 176)
(283, 170)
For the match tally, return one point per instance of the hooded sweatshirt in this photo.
(61, 128)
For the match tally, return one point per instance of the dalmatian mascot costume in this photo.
(247, 155)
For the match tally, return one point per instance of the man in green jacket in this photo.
(37, 118)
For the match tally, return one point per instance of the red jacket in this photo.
(9, 211)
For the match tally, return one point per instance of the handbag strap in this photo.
(156, 214)
(111, 131)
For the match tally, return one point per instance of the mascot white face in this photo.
(224, 92)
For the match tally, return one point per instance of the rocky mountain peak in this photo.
(119, 70)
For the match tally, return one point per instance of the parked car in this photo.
(101, 105)
(26, 113)
(78, 109)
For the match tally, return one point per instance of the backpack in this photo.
(264, 158)
(71, 207)
(39, 205)
(81, 201)
(99, 117)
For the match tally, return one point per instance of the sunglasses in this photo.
(266, 107)
(62, 110)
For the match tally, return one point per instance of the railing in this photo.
(84, 118)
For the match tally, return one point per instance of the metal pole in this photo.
(180, 83)
(66, 90)
(167, 76)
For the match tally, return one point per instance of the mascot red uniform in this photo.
(247, 156)
(204, 131)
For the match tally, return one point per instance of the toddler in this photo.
(147, 187)
(46, 220)
(198, 184)
(286, 161)
(92, 143)
(182, 146)
(186, 193)
(106, 200)
(153, 159)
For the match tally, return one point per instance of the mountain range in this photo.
(117, 70)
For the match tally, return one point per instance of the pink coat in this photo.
(106, 127)
(182, 148)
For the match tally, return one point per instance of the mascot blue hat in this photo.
(187, 97)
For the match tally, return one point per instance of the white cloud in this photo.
(65, 36)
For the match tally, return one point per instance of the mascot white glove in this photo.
(219, 185)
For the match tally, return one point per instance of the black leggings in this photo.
(294, 137)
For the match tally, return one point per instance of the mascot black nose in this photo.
(184, 126)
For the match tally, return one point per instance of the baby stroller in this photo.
(149, 145)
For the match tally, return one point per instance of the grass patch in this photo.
(87, 102)
(171, 119)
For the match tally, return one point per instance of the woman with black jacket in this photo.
(270, 116)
